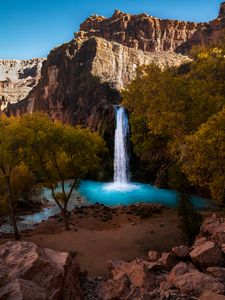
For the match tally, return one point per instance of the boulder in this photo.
(181, 251)
(215, 228)
(167, 260)
(153, 256)
(208, 295)
(207, 255)
(217, 272)
(189, 280)
(127, 280)
(29, 272)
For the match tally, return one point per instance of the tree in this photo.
(11, 157)
(191, 220)
(203, 156)
(167, 105)
(57, 152)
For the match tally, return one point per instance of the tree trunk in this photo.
(65, 219)
(12, 214)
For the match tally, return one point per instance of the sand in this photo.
(124, 238)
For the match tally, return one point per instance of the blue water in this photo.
(90, 192)
(95, 191)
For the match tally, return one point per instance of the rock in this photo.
(102, 59)
(217, 272)
(153, 256)
(17, 78)
(208, 295)
(167, 260)
(214, 228)
(125, 279)
(207, 255)
(29, 272)
(181, 251)
(100, 69)
(189, 280)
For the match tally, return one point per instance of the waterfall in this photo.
(121, 158)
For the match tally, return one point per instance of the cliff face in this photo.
(141, 31)
(81, 80)
(17, 78)
(153, 34)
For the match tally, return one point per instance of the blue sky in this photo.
(31, 28)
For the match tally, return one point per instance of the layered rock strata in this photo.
(81, 81)
(17, 78)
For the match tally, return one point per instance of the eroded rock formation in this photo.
(17, 78)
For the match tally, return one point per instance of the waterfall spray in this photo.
(121, 155)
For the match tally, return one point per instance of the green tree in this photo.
(57, 152)
(11, 157)
(203, 156)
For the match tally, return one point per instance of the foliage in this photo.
(11, 157)
(191, 220)
(56, 152)
(203, 156)
(168, 105)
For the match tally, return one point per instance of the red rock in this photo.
(30, 272)
(207, 255)
(153, 256)
(167, 260)
(208, 295)
(189, 280)
(217, 272)
(181, 251)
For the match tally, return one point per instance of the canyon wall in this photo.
(17, 78)
(82, 79)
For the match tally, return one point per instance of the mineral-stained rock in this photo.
(17, 78)
(29, 272)
(189, 280)
(207, 255)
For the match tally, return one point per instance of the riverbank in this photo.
(99, 233)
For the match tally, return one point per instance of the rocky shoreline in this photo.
(184, 273)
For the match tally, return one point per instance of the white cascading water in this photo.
(121, 157)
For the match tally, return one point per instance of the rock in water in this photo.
(29, 272)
